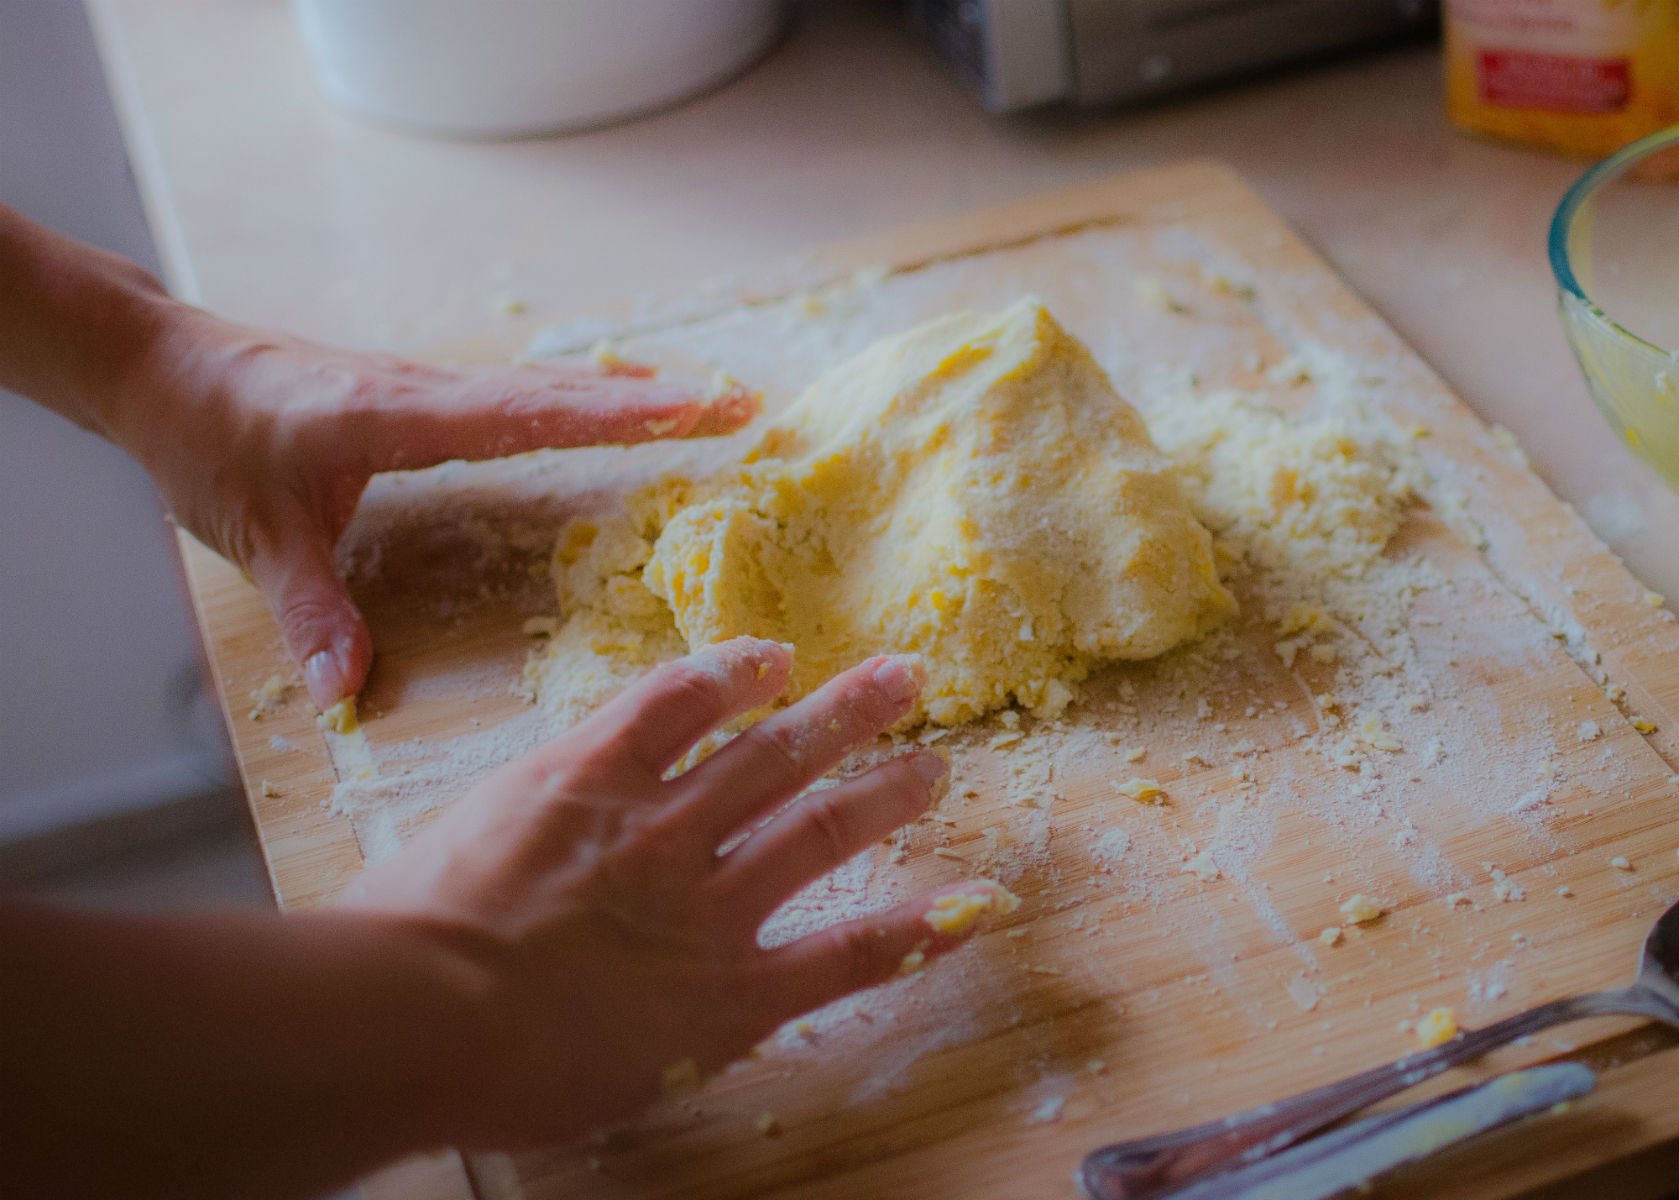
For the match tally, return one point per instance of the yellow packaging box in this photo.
(1582, 77)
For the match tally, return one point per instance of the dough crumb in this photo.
(1151, 292)
(1331, 935)
(1202, 866)
(1437, 1028)
(1143, 791)
(1361, 909)
(1373, 733)
(768, 1125)
(955, 913)
(1301, 991)
(1049, 1110)
(1620, 863)
(270, 697)
(340, 718)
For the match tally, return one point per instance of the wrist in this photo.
(154, 384)
(437, 1067)
(122, 312)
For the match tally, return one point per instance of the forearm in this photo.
(75, 322)
(229, 1055)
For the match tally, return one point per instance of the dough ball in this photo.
(974, 491)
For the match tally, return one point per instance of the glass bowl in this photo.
(1614, 249)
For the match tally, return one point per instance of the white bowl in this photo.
(516, 68)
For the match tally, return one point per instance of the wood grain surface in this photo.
(1190, 994)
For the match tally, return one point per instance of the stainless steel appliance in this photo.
(1017, 54)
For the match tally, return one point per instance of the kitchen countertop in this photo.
(272, 207)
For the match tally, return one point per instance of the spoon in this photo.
(1351, 1155)
(1136, 1169)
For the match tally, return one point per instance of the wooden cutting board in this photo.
(1132, 996)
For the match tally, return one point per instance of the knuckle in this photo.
(234, 532)
(774, 749)
(367, 389)
(689, 686)
(664, 845)
(827, 815)
(865, 954)
(908, 793)
(709, 908)
(509, 399)
(307, 618)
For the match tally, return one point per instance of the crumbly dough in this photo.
(973, 491)
(340, 718)
(1361, 909)
(958, 912)
(1437, 1028)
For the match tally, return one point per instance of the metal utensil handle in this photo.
(1353, 1154)
(1131, 1170)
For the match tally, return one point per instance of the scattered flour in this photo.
(1347, 695)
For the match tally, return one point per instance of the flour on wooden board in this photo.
(1358, 609)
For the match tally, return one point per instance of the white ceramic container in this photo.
(521, 68)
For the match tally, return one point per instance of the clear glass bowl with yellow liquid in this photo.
(1614, 249)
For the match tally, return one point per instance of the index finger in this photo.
(492, 412)
(785, 752)
(657, 719)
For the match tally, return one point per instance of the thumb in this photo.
(323, 628)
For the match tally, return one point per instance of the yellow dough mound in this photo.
(974, 491)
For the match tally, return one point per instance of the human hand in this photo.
(262, 446)
(611, 938)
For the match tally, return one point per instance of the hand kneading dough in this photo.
(973, 491)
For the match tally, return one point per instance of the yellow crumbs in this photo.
(1437, 1028)
(340, 718)
(1143, 791)
(956, 913)
(1361, 909)
(270, 697)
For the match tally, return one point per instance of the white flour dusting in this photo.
(1349, 728)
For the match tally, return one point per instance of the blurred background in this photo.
(115, 773)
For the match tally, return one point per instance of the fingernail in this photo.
(327, 675)
(900, 677)
(934, 769)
